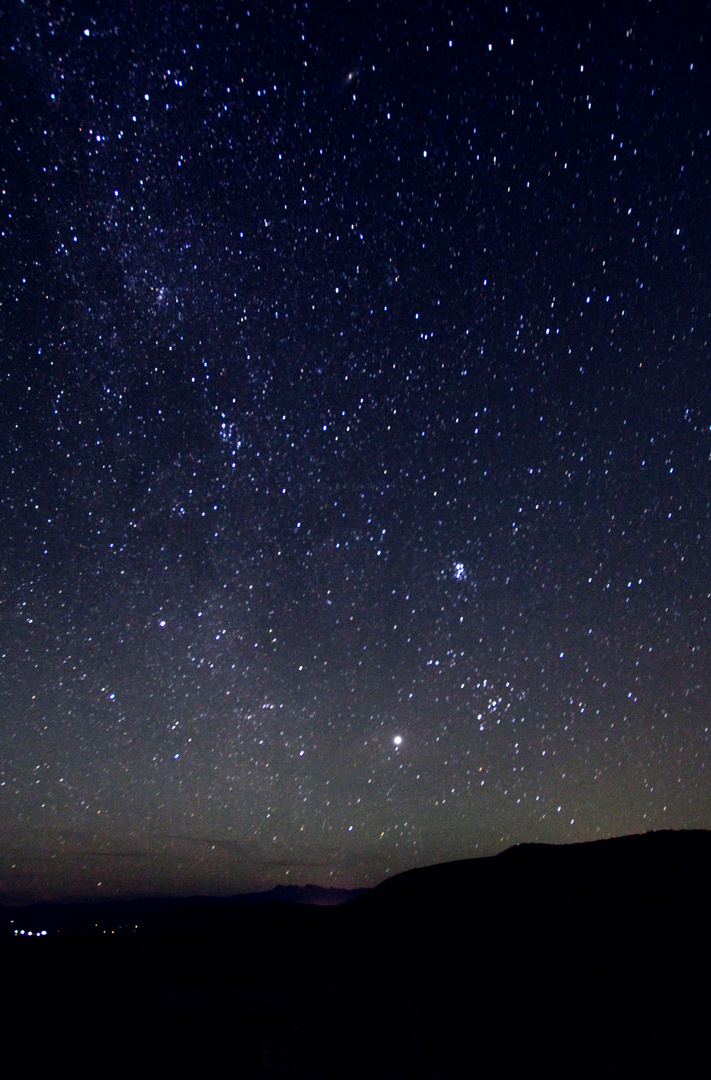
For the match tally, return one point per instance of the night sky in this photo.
(355, 437)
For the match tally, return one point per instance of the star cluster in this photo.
(356, 428)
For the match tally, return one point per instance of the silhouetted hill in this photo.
(581, 961)
(652, 861)
(599, 949)
(586, 893)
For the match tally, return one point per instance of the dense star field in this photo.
(355, 437)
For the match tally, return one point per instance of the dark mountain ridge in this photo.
(637, 861)
(587, 960)
(657, 872)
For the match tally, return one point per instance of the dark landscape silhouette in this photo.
(587, 960)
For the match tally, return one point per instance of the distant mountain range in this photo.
(302, 894)
(157, 915)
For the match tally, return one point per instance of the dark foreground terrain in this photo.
(585, 961)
